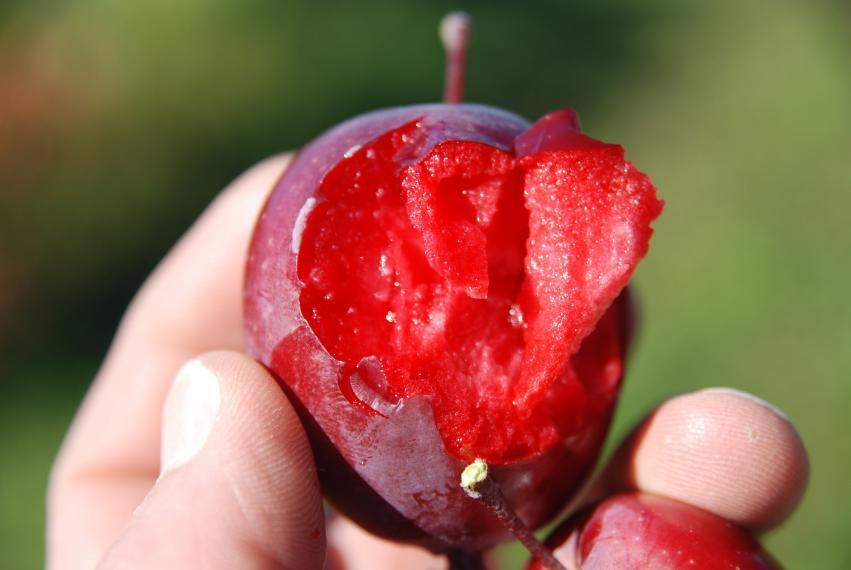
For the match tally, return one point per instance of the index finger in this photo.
(720, 449)
(190, 304)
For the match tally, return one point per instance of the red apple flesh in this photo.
(439, 283)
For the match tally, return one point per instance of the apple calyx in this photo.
(480, 487)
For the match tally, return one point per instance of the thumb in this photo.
(237, 487)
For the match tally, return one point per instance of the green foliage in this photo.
(122, 120)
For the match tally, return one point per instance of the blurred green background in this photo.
(120, 121)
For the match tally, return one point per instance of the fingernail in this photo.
(189, 414)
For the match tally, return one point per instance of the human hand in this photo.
(222, 476)
(721, 450)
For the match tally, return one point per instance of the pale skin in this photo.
(122, 493)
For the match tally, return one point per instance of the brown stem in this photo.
(455, 35)
(477, 484)
(461, 560)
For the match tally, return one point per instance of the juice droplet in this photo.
(384, 266)
(516, 317)
(345, 384)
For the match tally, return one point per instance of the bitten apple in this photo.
(440, 283)
(442, 286)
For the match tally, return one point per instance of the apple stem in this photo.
(462, 560)
(478, 486)
(454, 33)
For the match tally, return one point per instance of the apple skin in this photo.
(636, 531)
(391, 472)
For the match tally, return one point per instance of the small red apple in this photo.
(636, 531)
(439, 283)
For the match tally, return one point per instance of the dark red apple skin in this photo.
(638, 531)
(392, 473)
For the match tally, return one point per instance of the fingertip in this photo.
(238, 485)
(725, 451)
(258, 181)
(190, 411)
(266, 453)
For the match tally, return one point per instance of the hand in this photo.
(719, 449)
(222, 476)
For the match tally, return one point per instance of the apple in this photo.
(635, 531)
(442, 283)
